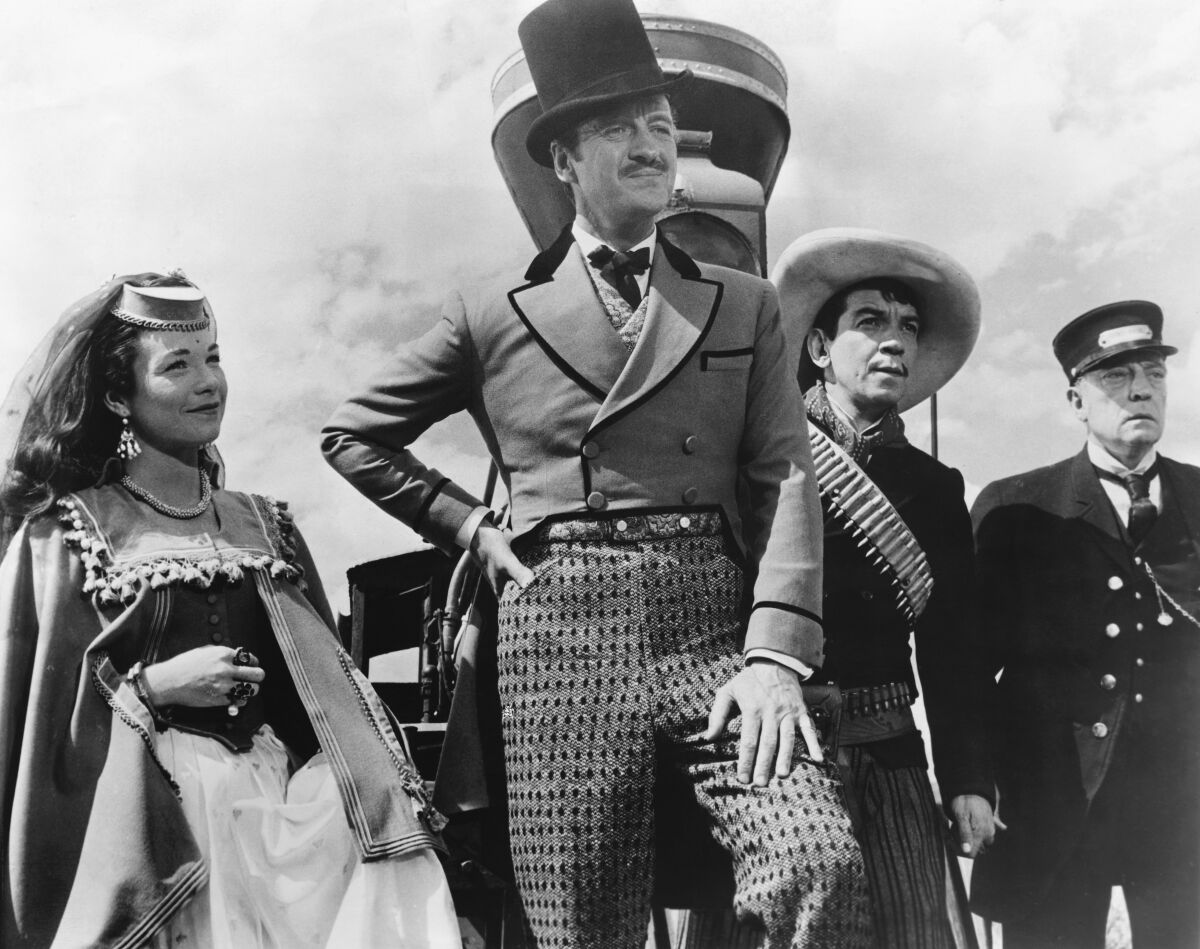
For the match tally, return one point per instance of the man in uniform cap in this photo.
(893, 320)
(1090, 588)
(643, 418)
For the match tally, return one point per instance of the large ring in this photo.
(241, 690)
(243, 657)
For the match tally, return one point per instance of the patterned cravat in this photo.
(621, 270)
(1142, 512)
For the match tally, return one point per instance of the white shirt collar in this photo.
(1098, 455)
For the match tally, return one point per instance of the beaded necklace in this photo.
(179, 513)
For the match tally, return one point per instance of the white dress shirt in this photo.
(1118, 493)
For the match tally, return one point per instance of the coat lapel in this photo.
(1184, 490)
(1093, 508)
(568, 321)
(679, 313)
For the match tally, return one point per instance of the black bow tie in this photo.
(621, 270)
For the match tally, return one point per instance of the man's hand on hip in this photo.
(496, 557)
(772, 707)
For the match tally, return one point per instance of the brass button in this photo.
(214, 619)
(622, 526)
(596, 500)
(685, 522)
(1139, 662)
(1137, 697)
(1112, 630)
(1140, 627)
(1138, 561)
(1100, 730)
(1137, 594)
(690, 495)
(590, 450)
(690, 444)
(1115, 583)
(1108, 682)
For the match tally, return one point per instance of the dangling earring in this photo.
(127, 445)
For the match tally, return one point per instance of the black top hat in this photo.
(1108, 331)
(586, 55)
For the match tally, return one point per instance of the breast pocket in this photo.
(726, 360)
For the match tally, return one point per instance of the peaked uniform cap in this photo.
(586, 56)
(820, 264)
(1108, 331)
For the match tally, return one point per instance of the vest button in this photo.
(1112, 630)
(596, 500)
(1115, 583)
(690, 495)
(1100, 730)
(217, 637)
(590, 450)
(690, 444)
(1108, 682)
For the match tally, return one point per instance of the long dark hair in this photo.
(69, 433)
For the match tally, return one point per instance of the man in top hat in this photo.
(643, 418)
(1090, 572)
(892, 322)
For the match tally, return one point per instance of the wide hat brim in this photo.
(614, 91)
(819, 264)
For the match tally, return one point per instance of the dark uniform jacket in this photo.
(1093, 688)
(867, 637)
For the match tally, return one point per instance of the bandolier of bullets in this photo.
(876, 699)
(876, 526)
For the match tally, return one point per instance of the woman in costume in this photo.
(187, 755)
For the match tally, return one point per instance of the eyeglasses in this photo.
(1119, 378)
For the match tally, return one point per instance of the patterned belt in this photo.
(874, 699)
(630, 527)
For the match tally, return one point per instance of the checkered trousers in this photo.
(611, 656)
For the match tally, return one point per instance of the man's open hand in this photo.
(772, 707)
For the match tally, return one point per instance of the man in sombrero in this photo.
(645, 422)
(892, 321)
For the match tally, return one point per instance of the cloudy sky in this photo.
(323, 170)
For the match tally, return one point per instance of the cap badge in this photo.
(1124, 334)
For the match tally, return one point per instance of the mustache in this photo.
(655, 162)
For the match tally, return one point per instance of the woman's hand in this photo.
(202, 678)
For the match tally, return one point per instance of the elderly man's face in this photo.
(1123, 403)
(622, 171)
(868, 360)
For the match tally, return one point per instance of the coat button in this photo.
(690, 495)
(1100, 730)
(1112, 630)
(690, 444)
(1115, 583)
(1140, 627)
(590, 450)
(211, 598)
(1138, 697)
(213, 619)
(596, 500)
(1108, 682)
(217, 637)
(1139, 662)
(1137, 595)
